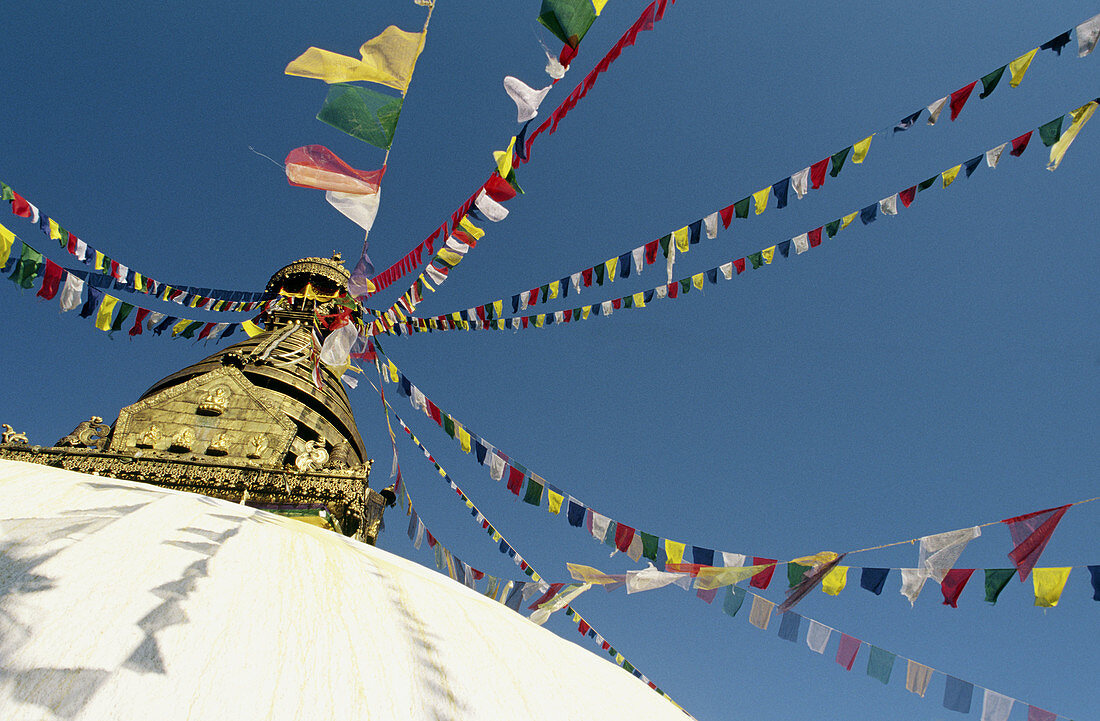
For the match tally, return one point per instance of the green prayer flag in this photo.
(628, 301)
(123, 311)
(449, 425)
(609, 537)
(649, 545)
(5, 192)
(838, 161)
(600, 269)
(28, 267)
(362, 113)
(735, 596)
(995, 581)
(666, 243)
(831, 229)
(880, 663)
(795, 572)
(569, 20)
(611, 651)
(511, 178)
(529, 571)
(189, 329)
(534, 492)
(926, 184)
(1050, 132)
(741, 208)
(757, 259)
(989, 82)
(545, 291)
(628, 667)
(685, 286)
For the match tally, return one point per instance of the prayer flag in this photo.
(950, 174)
(362, 113)
(835, 581)
(788, 626)
(568, 20)
(7, 238)
(1080, 116)
(996, 707)
(533, 494)
(817, 173)
(1030, 533)
(874, 579)
(1050, 132)
(106, 309)
(71, 292)
(735, 596)
(801, 244)
(912, 581)
(908, 121)
(674, 551)
(711, 224)
(768, 254)
(917, 676)
(935, 109)
(1087, 34)
(995, 581)
(989, 82)
(953, 583)
(388, 59)
(859, 150)
(761, 612)
(1049, 583)
(957, 695)
(1034, 713)
(880, 663)
(28, 267)
(315, 166)
(940, 552)
(800, 182)
(764, 578)
(889, 206)
(847, 650)
(1056, 43)
(760, 200)
(1020, 144)
(526, 98)
(515, 479)
(817, 637)
(781, 190)
(741, 208)
(959, 98)
(993, 155)
(972, 165)
(51, 279)
(868, 214)
(554, 501)
(795, 572)
(838, 161)
(908, 195)
(757, 260)
(1019, 66)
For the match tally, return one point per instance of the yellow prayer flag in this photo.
(847, 220)
(55, 231)
(1080, 116)
(587, 574)
(835, 580)
(768, 254)
(496, 536)
(540, 319)
(500, 324)
(1049, 583)
(585, 311)
(639, 300)
(950, 174)
(449, 257)
(6, 239)
(498, 307)
(99, 260)
(107, 309)
(697, 280)
(535, 577)
(395, 375)
(463, 438)
(682, 238)
(859, 150)
(251, 328)
(1019, 66)
(176, 329)
(674, 551)
(816, 559)
(760, 197)
(554, 288)
(504, 158)
(195, 301)
(597, 5)
(388, 59)
(619, 659)
(470, 228)
(611, 265)
(554, 501)
(712, 577)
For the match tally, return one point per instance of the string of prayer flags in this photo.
(388, 59)
(488, 316)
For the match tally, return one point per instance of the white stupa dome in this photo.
(123, 601)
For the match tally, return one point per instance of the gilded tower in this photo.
(262, 422)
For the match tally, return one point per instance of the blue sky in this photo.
(925, 373)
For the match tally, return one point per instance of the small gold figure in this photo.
(257, 444)
(215, 402)
(10, 436)
(220, 446)
(149, 438)
(182, 441)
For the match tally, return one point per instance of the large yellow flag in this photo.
(1080, 116)
(388, 60)
(1049, 583)
(106, 310)
(1019, 66)
(859, 150)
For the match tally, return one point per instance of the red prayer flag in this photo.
(651, 250)
(908, 195)
(206, 330)
(739, 264)
(566, 55)
(661, 5)
(617, 303)
(953, 584)
(568, 315)
(20, 206)
(583, 627)
(959, 97)
(817, 173)
(431, 538)
(498, 189)
(726, 215)
(847, 651)
(815, 237)
(550, 593)
(515, 479)
(673, 289)
(1030, 533)
(136, 329)
(764, 578)
(623, 536)
(1020, 144)
(51, 279)
(586, 275)
(433, 411)
(526, 320)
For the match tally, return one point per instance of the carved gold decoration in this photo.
(92, 433)
(149, 438)
(311, 457)
(11, 436)
(220, 446)
(182, 441)
(331, 269)
(215, 402)
(256, 446)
